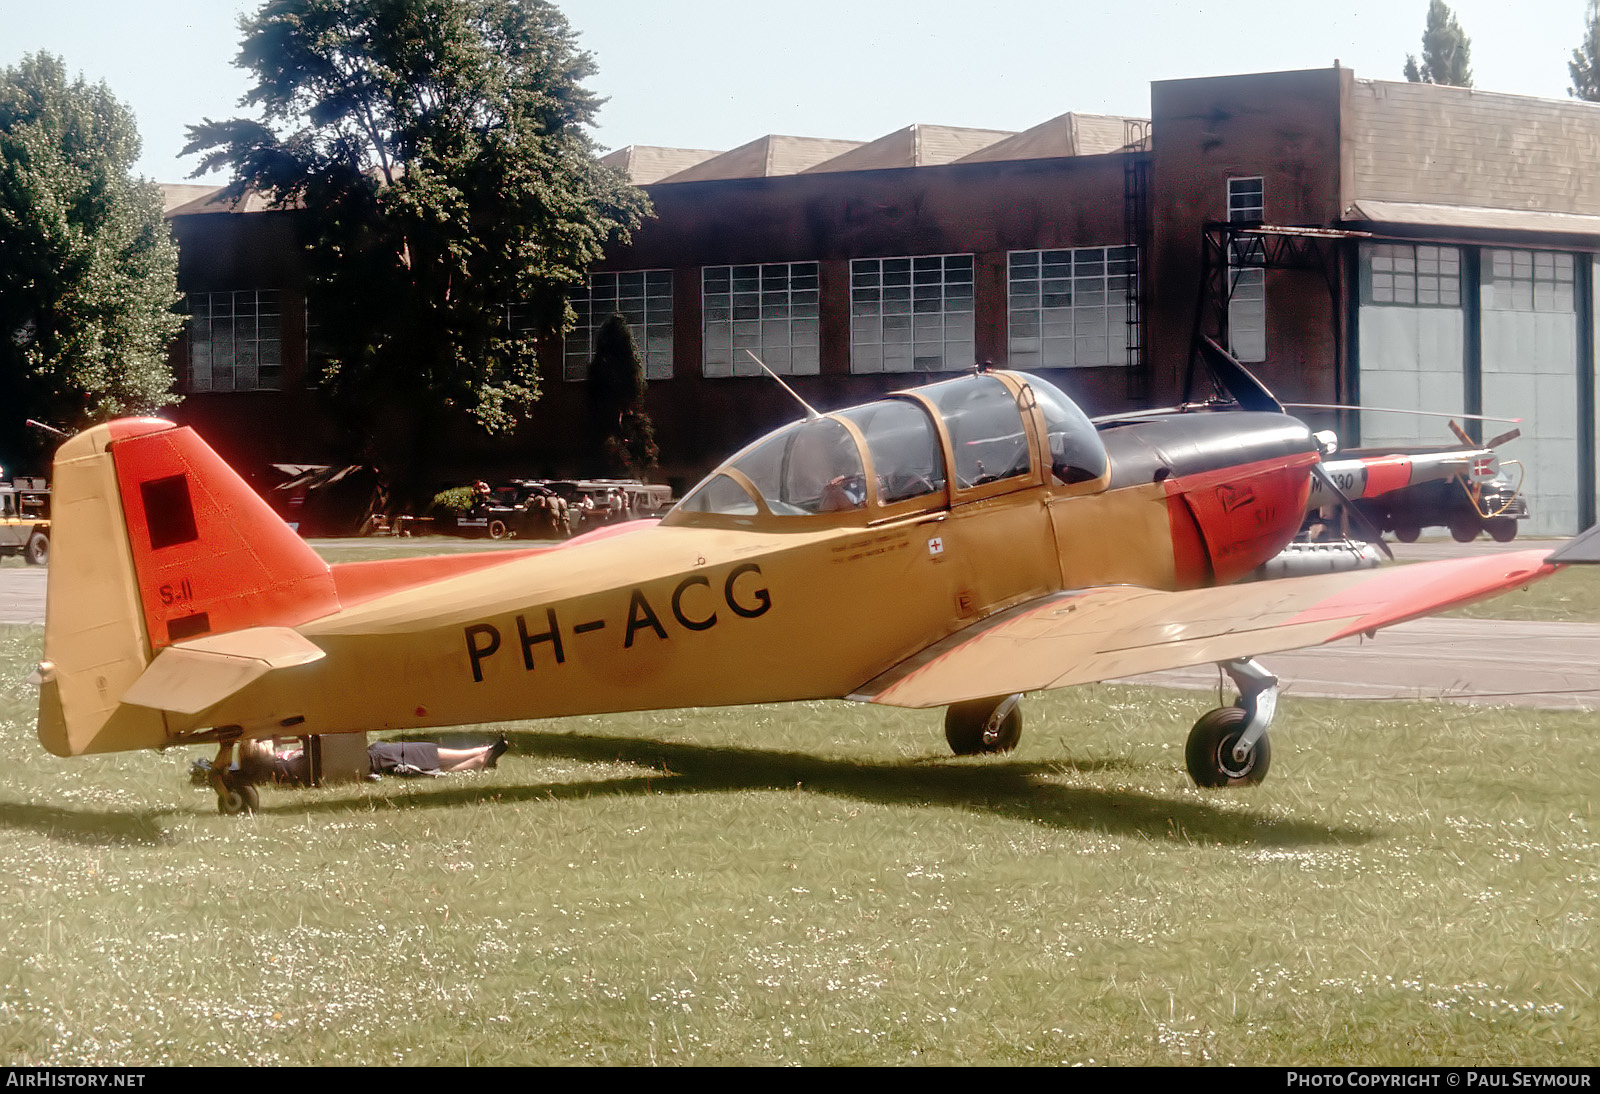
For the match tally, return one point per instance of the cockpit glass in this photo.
(719, 494)
(903, 446)
(1076, 452)
(816, 467)
(987, 438)
(812, 467)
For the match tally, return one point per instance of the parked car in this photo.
(1406, 512)
(601, 501)
(515, 510)
(25, 519)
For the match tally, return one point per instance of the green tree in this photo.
(440, 150)
(1585, 64)
(88, 269)
(1446, 50)
(624, 434)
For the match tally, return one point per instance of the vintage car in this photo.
(520, 509)
(25, 520)
(1449, 504)
(601, 501)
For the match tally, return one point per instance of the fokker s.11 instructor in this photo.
(955, 546)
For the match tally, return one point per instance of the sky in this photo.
(718, 73)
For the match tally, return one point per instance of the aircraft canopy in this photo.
(965, 433)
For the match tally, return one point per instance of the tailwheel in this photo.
(235, 798)
(235, 795)
(978, 726)
(1209, 753)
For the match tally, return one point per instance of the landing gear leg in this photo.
(234, 794)
(1229, 746)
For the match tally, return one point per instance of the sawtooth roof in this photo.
(765, 157)
(775, 154)
(1067, 134)
(913, 146)
(183, 199)
(647, 163)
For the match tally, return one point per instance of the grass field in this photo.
(821, 883)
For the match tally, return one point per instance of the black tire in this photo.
(963, 727)
(1465, 529)
(37, 552)
(498, 529)
(1209, 751)
(234, 799)
(1406, 532)
(1503, 529)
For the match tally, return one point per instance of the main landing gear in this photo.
(1228, 746)
(984, 725)
(235, 795)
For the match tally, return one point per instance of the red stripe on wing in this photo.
(1393, 595)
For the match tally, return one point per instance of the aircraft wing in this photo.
(1113, 631)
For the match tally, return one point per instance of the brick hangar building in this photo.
(1399, 245)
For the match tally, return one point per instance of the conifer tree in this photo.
(1446, 50)
(1585, 64)
(621, 426)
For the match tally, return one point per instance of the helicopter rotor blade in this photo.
(1363, 525)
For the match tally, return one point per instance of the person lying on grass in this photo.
(260, 761)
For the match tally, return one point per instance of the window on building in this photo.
(235, 341)
(1069, 309)
(1534, 281)
(644, 299)
(1410, 275)
(1247, 303)
(770, 310)
(911, 314)
(1245, 200)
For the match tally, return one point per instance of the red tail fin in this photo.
(210, 555)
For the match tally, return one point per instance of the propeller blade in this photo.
(1509, 435)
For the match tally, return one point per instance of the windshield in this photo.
(810, 467)
(719, 494)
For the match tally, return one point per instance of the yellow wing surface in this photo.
(1104, 633)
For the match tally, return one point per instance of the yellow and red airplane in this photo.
(955, 545)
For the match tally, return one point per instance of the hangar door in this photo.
(1457, 329)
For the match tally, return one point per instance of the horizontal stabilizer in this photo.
(1583, 549)
(189, 677)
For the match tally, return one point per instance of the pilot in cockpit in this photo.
(825, 465)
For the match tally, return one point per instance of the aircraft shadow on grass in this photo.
(1014, 790)
(89, 827)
